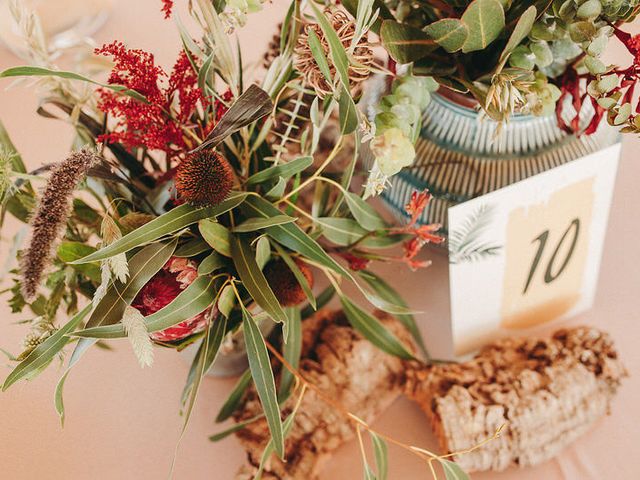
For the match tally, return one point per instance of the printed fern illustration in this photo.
(466, 244)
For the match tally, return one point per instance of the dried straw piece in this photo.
(346, 368)
(50, 218)
(358, 70)
(546, 392)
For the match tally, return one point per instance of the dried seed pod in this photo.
(358, 70)
(204, 178)
(284, 283)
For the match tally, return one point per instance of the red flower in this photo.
(158, 124)
(162, 289)
(167, 6)
(355, 263)
(417, 204)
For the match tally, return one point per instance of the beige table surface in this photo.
(122, 421)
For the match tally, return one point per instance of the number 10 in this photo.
(549, 275)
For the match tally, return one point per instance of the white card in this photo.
(529, 253)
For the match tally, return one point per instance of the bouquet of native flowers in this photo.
(196, 206)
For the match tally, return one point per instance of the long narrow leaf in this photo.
(44, 353)
(292, 349)
(373, 330)
(170, 222)
(192, 301)
(285, 170)
(254, 280)
(263, 379)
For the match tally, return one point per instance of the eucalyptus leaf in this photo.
(216, 235)
(363, 212)
(236, 427)
(291, 350)
(193, 247)
(485, 21)
(453, 471)
(32, 71)
(172, 221)
(253, 279)
(253, 224)
(263, 379)
(347, 112)
(44, 353)
(381, 455)
(450, 33)
(520, 31)
(405, 43)
(373, 330)
(284, 170)
(192, 301)
(337, 50)
(319, 55)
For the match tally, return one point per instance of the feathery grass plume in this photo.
(118, 263)
(6, 169)
(49, 220)
(204, 178)
(133, 323)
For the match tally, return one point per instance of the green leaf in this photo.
(268, 449)
(234, 428)
(253, 279)
(192, 248)
(485, 21)
(323, 299)
(227, 300)
(302, 280)
(319, 55)
(192, 301)
(142, 267)
(453, 471)
(291, 236)
(44, 353)
(520, 31)
(16, 160)
(338, 53)
(449, 33)
(292, 349)
(373, 330)
(405, 43)
(381, 455)
(285, 170)
(263, 379)
(341, 231)
(209, 350)
(363, 212)
(172, 221)
(71, 251)
(216, 235)
(347, 112)
(233, 401)
(210, 264)
(31, 71)
(385, 291)
(58, 399)
(253, 224)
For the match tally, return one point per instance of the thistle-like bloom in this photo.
(284, 284)
(204, 178)
(49, 220)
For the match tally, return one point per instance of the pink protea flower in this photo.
(162, 289)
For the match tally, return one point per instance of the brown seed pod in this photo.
(284, 283)
(204, 178)
(345, 27)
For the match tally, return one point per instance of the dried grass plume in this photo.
(49, 220)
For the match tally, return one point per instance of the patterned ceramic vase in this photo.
(460, 155)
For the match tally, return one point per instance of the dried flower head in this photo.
(48, 222)
(362, 56)
(204, 178)
(284, 283)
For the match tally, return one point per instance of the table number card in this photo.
(529, 253)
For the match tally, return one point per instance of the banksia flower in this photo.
(359, 69)
(284, 283)
(204, 178)
(48, 222)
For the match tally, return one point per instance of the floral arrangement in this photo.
(196, 207)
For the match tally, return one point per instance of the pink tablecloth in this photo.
(123, 423)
